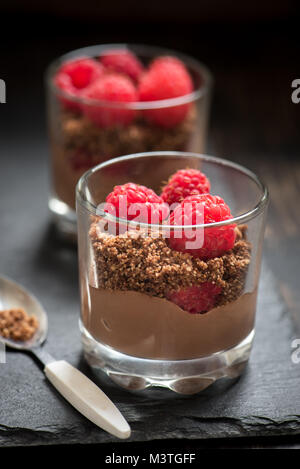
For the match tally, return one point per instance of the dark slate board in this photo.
(264, 401)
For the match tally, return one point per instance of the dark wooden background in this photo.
(253, 54)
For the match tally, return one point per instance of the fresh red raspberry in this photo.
(73, 77)
(64, 83)
(123, 61)
(166, 78)
(82, 72)
(208, 242)
(184, 183)
(167, 59)
(196, 299)
(112, 88)
(133, 201)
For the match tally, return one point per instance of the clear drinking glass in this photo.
(130, 327)
(77, 144)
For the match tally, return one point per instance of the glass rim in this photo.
(88, 51)
(244, 217)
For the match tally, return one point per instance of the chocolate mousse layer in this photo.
(78, 144)
(150, 327)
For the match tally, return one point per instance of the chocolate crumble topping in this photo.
(79, 134)
(146, 264)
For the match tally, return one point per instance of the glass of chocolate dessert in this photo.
(112, 100)
(169, 255)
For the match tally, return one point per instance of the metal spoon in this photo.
(74, 386)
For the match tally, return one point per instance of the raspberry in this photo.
(134, 201)
(123, 61)
(165, 59)
(167, 78)
(184, 183)
(196, 299)
(73, 77)
(216, 240)
(82, 72)
(115, 89)
(64, 83)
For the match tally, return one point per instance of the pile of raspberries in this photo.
(106, 89)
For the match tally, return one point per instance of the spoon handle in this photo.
(44, 357)
(87, 398)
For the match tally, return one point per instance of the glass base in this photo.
(180, 376)
(64, 218)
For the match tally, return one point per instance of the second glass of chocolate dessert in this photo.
(169, 252)
(112, 100)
